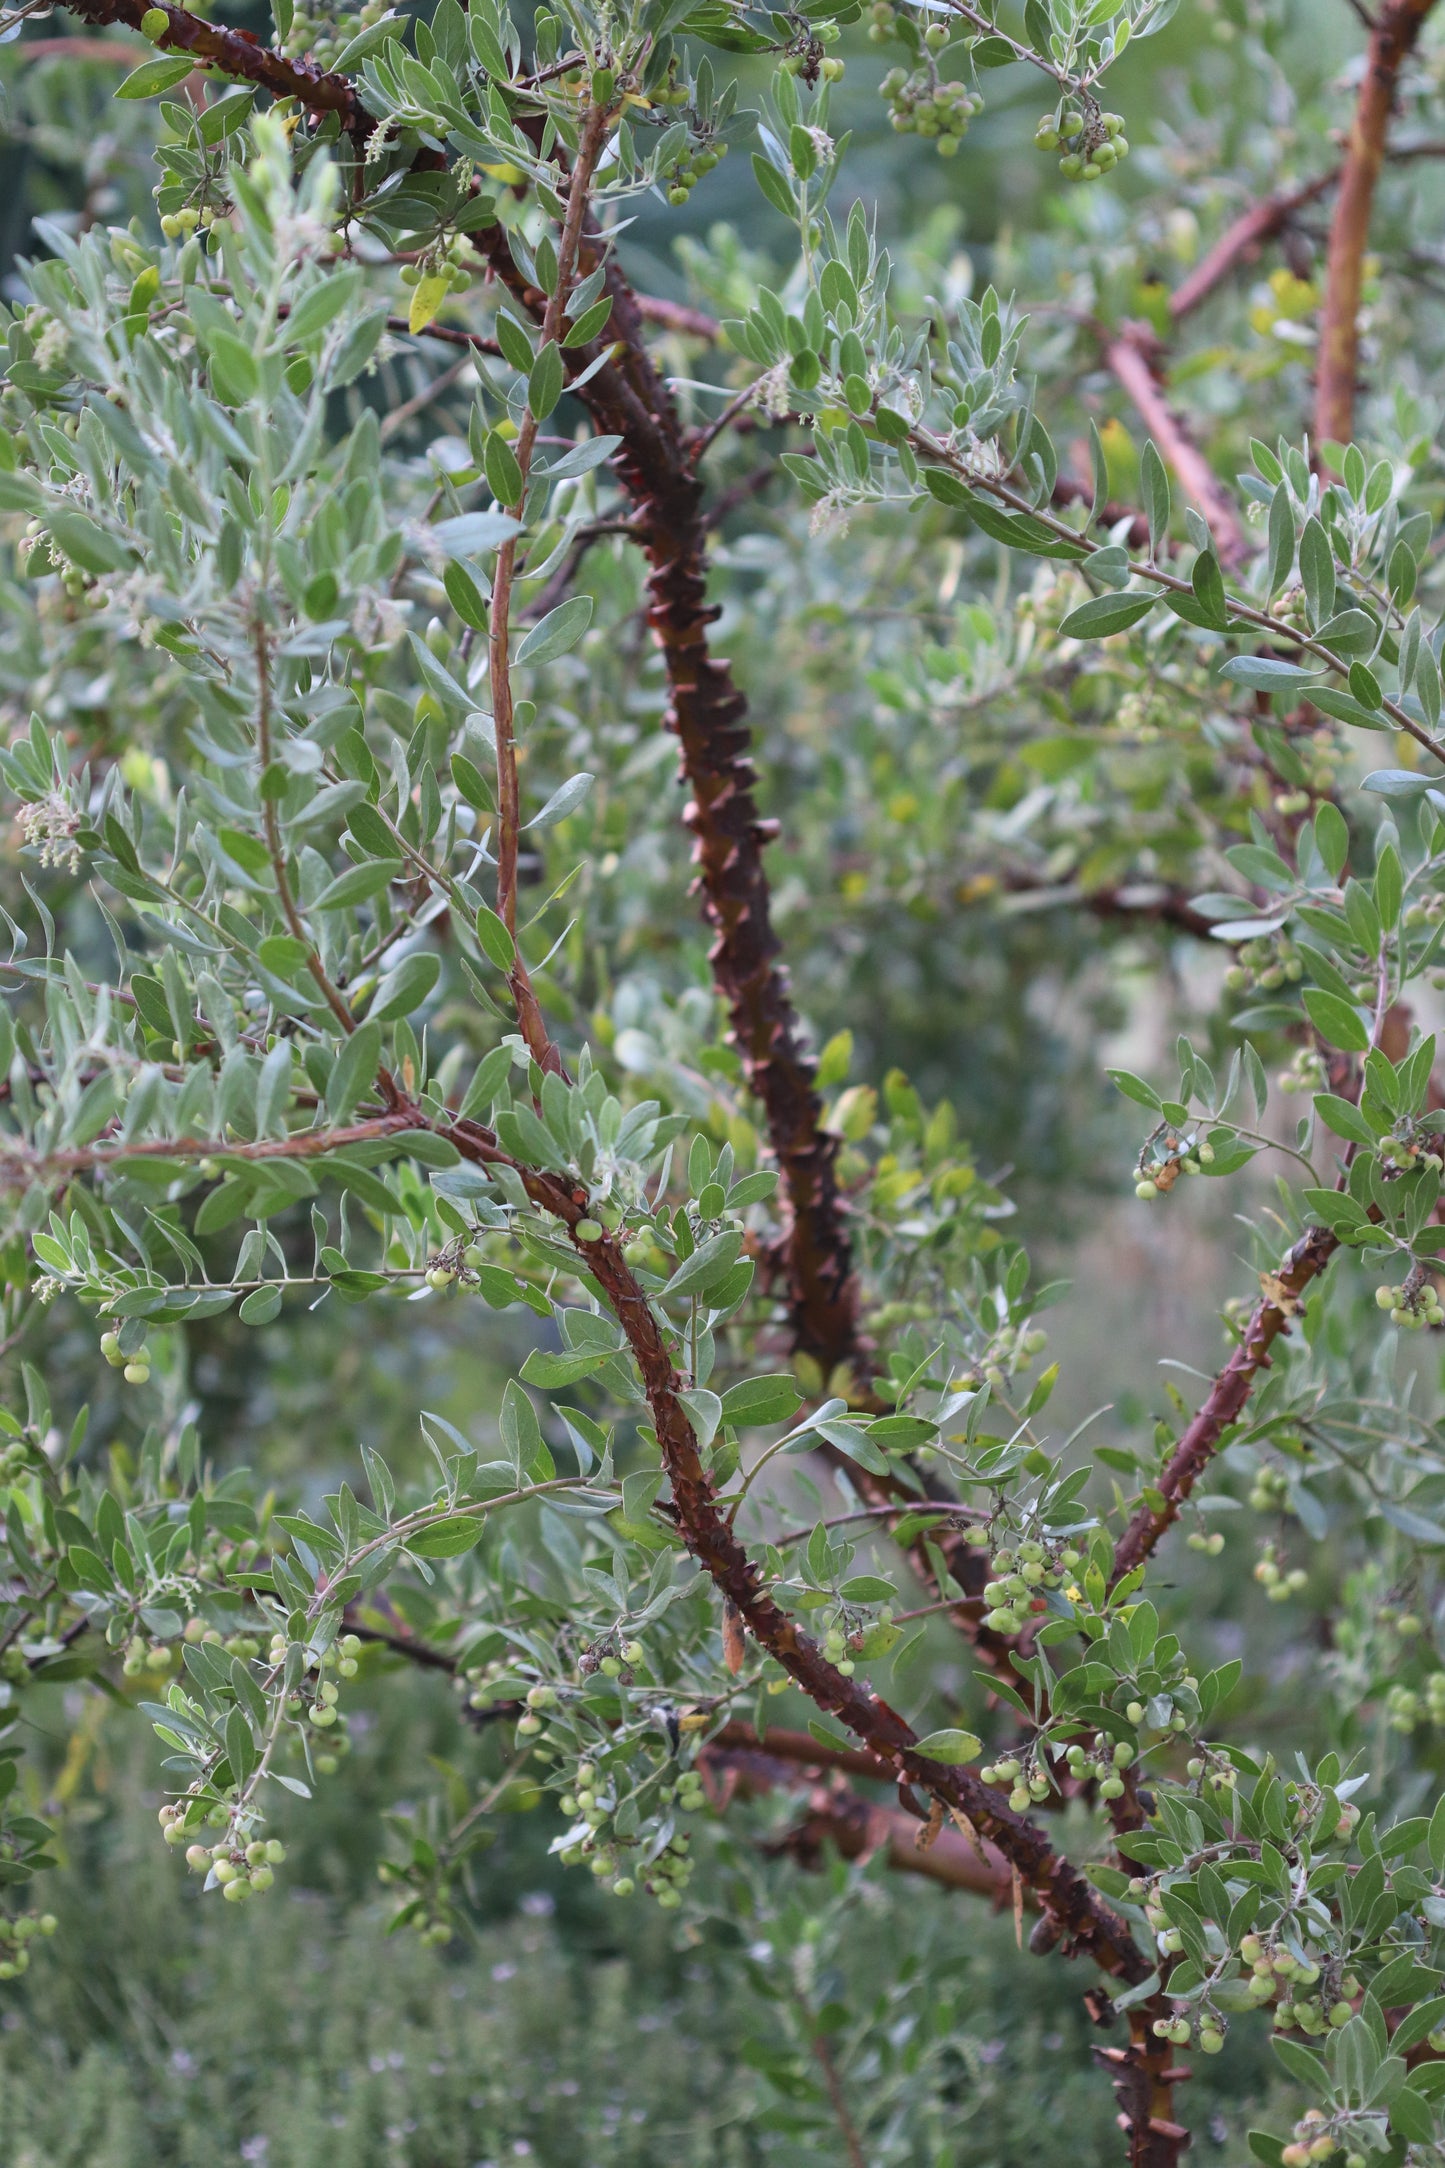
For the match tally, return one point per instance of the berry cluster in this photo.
(614, 1659)
(685, 171)
(1019, 1578)
(1313, 2142)
(240, 1870)
(15, 1460)
(180, 225)
(1277, 1975)
(318, 1699)
(1027, 1781)
(849, 1636)
(1092, 143)
(445, 260)
(1405, 1709)
(1411, 1146)
(1266, 964)
(1413, 1308)
(1011, 1349)
(806, 57)
(1269, 1489)
(1214, 1769)
(594, 1803)
(1210, 1541)
(920, 104)
(323, 35)
(143, 1658)
(1164, 1158)
(1307, 1073)
(1278, 1582)
(16, 1937)
(1097, 1769)
(1210, 2036)
(136, 1368)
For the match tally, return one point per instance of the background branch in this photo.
(1397, 25)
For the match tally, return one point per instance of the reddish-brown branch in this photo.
(1130, 354)
(1278, 1303)
(1143, 2075)
(676, 316)
(1242, 242)
(706, 710)
(1079, 1914)
(1166, 906)
(1397, 25)
(238, 53)
(855, 1827)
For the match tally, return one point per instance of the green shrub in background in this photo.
(161, 2035)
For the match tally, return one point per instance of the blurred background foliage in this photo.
(886, 694)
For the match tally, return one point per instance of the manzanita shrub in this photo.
(314, 999)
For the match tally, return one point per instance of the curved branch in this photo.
(1242, 241)
(1279, 1302)
(1131, 357)
(1396, 27)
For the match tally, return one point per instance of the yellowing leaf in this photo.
(427, 297)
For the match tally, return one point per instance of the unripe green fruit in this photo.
(935, 37)
(137, 1373)
(261, 1878)
(588, 1230)
(110, 1347)
(275, 1851)
(677, 196)
(236, 1891)
(610, 1667)
(226, 1871)
(833, 69)
(623, 1886)
(198, 1859)
(632, 1652)
(1146, 1191)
